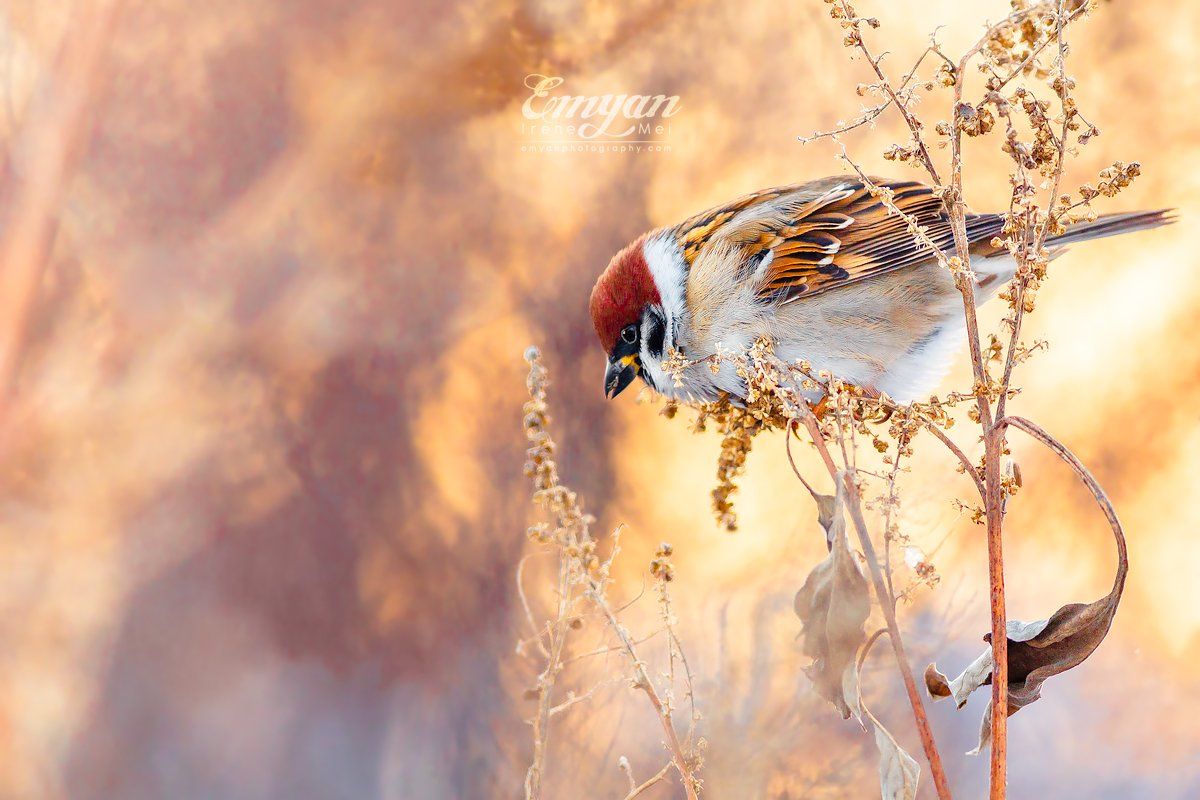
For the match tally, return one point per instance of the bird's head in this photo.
(627, 312)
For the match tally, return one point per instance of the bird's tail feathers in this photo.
(996, 268)
(1112, 225)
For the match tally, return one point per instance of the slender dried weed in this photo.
(580, 594)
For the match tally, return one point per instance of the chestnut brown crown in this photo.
(621, 292)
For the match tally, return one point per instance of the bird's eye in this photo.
(629, 334)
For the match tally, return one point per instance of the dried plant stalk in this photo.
(1027, 47)
(1006, 51)
(583, 579)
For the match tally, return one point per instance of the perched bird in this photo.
(823, 271)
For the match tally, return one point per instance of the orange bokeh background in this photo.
(261, 500)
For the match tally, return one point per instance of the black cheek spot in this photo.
(655, 337)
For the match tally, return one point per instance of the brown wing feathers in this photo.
(818, 257)
(833, 233)
(695, 232)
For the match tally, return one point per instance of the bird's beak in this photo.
(619, 374)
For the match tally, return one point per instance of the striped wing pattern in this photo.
(828, 234)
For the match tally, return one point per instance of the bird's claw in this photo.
(821, 408)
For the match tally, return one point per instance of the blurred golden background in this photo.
(269, 271)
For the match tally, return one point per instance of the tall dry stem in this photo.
(1008, 50)
(582, 587)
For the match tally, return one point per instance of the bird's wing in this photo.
(695, 233)
(799, 241)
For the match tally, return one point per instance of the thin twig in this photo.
(661, 775)
(788, 447)
(910, 119)
(533, 626)
(581, 575)
(642, 681)
(968, 467)
(575, 699)
(546, 680)
(893, 500)
(603, 651)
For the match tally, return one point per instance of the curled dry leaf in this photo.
(979, 673)
(1037, 650)
(899, 772)
(833, 605)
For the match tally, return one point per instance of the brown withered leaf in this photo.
(833, 604)
(1071, 635)
(1036, 651)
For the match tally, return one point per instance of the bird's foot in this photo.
(821, 408)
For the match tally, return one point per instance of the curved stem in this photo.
(788, 447)
(1098, 494)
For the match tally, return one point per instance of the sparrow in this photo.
(823, 271)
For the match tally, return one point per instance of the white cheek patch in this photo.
(664, 258)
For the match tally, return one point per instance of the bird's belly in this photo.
(896, 336)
